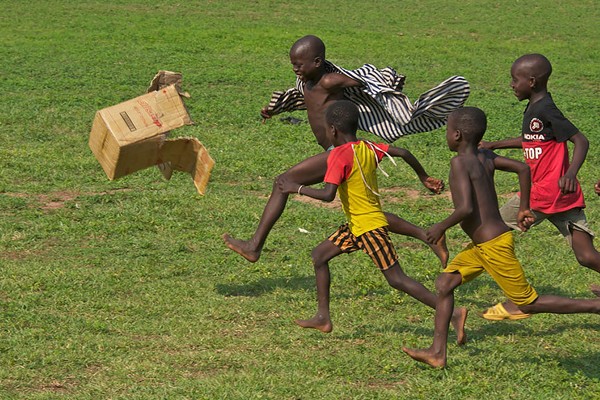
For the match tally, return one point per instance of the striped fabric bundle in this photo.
(384, 110)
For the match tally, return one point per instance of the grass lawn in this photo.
(124, 290)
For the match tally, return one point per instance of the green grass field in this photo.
(124, 290)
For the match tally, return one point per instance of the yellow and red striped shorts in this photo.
(376, 243)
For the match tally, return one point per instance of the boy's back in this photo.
(472, 185)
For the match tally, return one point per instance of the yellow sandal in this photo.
(499, 313)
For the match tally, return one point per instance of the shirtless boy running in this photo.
(492, 247)
(321, 88)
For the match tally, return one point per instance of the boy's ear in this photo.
(318, 61)
(532, 81)
(457, 135)
(334, 130)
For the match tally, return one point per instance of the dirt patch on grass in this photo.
(56, 200)
(56, 387)
(19, 255)
(336, 203)
(397, 194)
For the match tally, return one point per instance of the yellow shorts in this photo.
(497, 257)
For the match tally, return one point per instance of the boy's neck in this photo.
(538, 95)
(314, 80)
(346, 138)
(466, 149)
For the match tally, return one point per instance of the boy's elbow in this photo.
(328, 195)
(524, 171)
(329, 198)
(465, 210)
(579, 139)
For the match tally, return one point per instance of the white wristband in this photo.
(300, 188)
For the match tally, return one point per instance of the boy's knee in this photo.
(277, 178)
(317, 257)
(395, 276)
(447, 282)
(589, 259)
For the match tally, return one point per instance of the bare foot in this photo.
(242, 247)
(459, 317)
(595, 289)
(427, 357)
(317, 322)
(441, 251)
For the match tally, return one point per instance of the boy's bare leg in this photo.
(399, 280)
(403, 227)
(584, 250)
(435, 355)
(586, 255)
(321, 256)
(562, 305)
(556, 305)
(308, 172)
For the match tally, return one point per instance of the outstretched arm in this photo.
(512, 143)
(433, 184)
(283, 101)
(525, 217)
(326, 194)
(461, 197)
(334, 82)
(568, 182)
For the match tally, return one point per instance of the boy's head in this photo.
(307, 56)
(530, 75)
(341, 118)
(465, 125)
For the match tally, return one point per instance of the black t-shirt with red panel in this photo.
(545, 134)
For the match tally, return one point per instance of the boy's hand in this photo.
(434, 233)
(287, 186)
(567, 184)
(597, 188)
(265, 113)
(525, 219)
(434, 185)
(485, 145)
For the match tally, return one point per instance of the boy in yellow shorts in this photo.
(492, 249)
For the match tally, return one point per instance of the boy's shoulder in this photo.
(486, 154)
(465, 163)
(341, 151)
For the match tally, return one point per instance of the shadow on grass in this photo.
(586, 364)
(266, 285)
(501, 328)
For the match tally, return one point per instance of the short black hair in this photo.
(310, 43)
(537, 64)
(343, 114)
(471, 121)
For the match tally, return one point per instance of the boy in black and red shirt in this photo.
(555, 192)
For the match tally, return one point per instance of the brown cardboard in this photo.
(188, 155)
(130, 136)
(162, 79)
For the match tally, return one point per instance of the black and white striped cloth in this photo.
(384, 110)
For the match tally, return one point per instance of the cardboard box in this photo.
(130, 136)
(188, 155)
